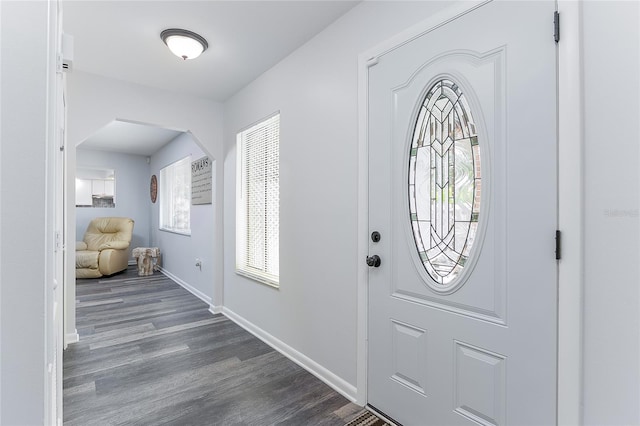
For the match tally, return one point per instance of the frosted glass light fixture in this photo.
(184, 44)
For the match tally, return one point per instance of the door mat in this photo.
(367, 418)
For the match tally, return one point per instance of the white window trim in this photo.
(241, 225)
(259, 276)
(162, 186)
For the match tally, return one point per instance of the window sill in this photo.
(172, 231)
(259, 278)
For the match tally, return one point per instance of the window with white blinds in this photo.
(175, 197)
(258, 202)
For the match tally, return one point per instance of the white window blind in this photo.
(175, 197)
(258, 202)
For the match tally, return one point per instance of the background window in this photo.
(258, 202)
(95, 187)
(175, 197)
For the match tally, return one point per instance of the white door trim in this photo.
(570, 213)
(570, 219)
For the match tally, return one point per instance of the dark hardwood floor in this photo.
(150, 353)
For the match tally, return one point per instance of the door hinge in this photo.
(556, 26)
(558, 244)
(372, 61)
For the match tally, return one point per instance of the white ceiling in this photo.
(120, 39)
(130, 138)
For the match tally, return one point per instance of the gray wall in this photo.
(316, 91)
(132, 192)
(137, 103)
(25, 227)
(180, 251)
(612, 231)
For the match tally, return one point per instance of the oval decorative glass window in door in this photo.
(444, 183)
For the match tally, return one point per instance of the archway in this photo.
(125, 102)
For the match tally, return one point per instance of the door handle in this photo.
(373, 261)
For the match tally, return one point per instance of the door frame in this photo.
(570, 198)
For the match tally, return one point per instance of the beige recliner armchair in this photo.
(105, 247)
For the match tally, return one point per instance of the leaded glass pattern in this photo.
(444, 182)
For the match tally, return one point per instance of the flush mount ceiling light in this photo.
(184, 43)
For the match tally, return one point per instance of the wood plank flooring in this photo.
(150, 353)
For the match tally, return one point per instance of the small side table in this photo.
(147, 259)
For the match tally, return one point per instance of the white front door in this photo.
(463, 193)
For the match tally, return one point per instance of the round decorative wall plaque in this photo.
(153, 188)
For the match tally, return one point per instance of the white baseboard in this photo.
(215, 309)
(200, 295)
(71, 338)
(338, 384)
(132, 262)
